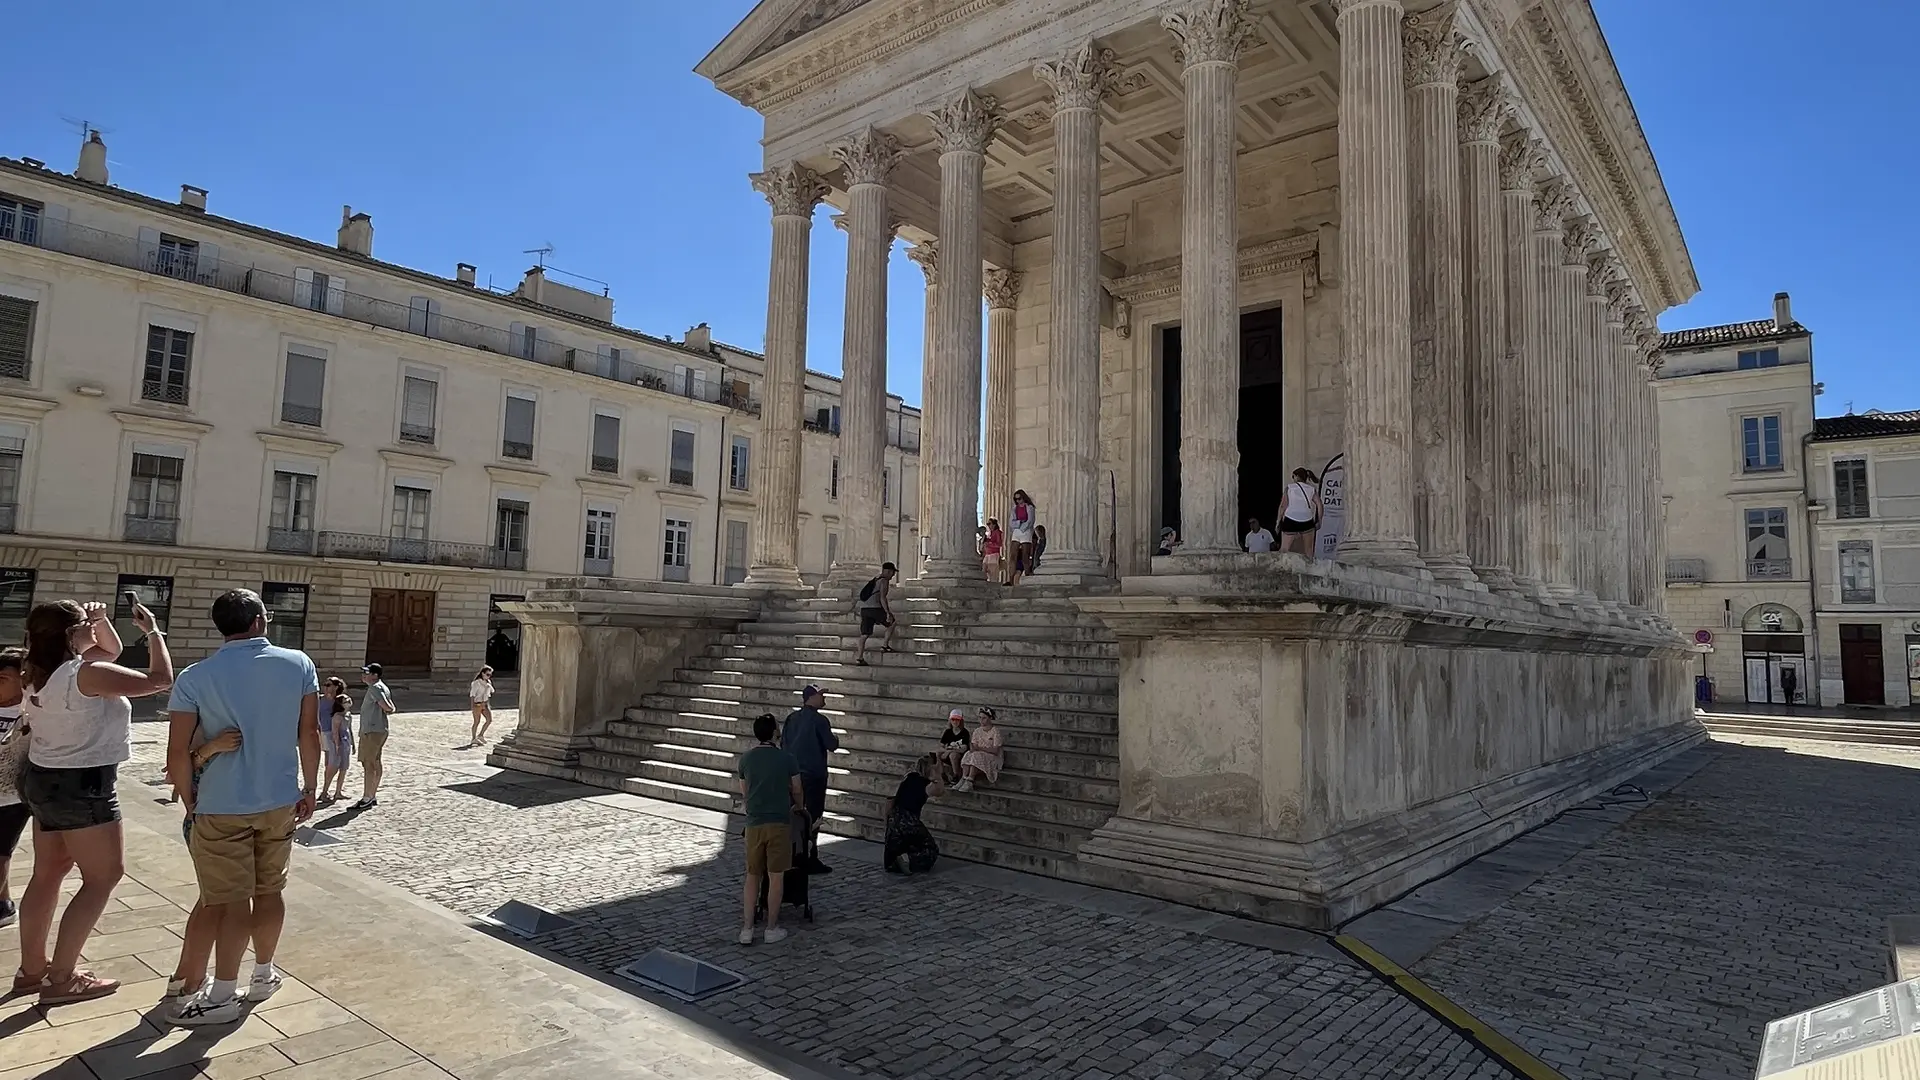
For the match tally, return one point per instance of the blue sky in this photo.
(474, 131)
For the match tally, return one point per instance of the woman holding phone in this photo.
(81, 720)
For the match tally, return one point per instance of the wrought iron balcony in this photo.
(418, 433)
(8, 513)
(603, 464)
(1852, 595)
(13, 367)
(1686, 571)
(597, 567)
(151, 530)
(519, 451)
(503, 559)
(1760, 569)
(404, 550)
(307, 415)
(158, 390)
(290, 541)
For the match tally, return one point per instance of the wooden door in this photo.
(1861, 672)
(400, 629)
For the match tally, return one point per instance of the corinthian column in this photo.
(867, 159)
(926, 255)
(1433, 50)
(1553, 344)
(1523, 411)
(1003, 295)
(1210, 35)
(793, 191)
(1079, 80)
(1488, 381)
(1619, 454)
(1574, 410)
(1594, 432)
(951, 444)
(1373, 241)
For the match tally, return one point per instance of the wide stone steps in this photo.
(924, 654)
(1845, 730)
(889, 668)
(955, 644)
(1070, 757)
(936, 696)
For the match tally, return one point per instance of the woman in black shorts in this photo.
(80, 726)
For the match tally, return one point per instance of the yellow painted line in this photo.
(1510, 1053)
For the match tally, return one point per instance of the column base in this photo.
(1453, 570)
(1497, 579)
(527, 751)
(771, 577)
(953, 571)
(1397, 556)
(1069, 568)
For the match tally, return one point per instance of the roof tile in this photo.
(1729, 334)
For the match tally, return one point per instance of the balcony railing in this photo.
(1758, 569)
(8, 513)
(1686, 571)
(290, 541)
(597, 567)
(13, 367)
(503, 559)
(229, 275)
(151, 530)
(307, 415)
(157, 390)
(1851, 595)
(519, 451)
(401, 549)
(420, 433)
(605, 464)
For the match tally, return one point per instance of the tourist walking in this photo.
(196, 945)
(480, 692)
(990, 551)
(247, 803)
(1259, 541)
(1039, 548)
(986, 752)
(80, 728)
(955, 741)
(809, 738)
(376, 709)
(1300, 513)
(1020, 526)
(910, 848)
(336, 739)
(876, 610)
(13, 758)
(770, 790)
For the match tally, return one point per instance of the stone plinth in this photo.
(590, 648)
(1301, 741)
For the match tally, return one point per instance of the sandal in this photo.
(80, 986)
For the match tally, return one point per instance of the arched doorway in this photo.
(1773, 648)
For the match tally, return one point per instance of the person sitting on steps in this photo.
(988, 753)
(876, 611)
(955, 741)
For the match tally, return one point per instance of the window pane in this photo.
(16, 336)
(680, 467)
(606, 443)
(418, 399)
(517, 439)
(306, 380)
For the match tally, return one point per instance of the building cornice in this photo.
(172, 427)
(414, 459)
(515, 474)
(298, 444)
(21, 407)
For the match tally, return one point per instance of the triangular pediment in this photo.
(771, 24)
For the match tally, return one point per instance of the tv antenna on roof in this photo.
(85, 128)
(541, 253)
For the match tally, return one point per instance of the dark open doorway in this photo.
(1263, 470)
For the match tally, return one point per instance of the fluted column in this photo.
(1619, 455)
(1432, 51)
(951, 445)
(1003, 295)
(1079, 80)
(926, 255)
(1210, 36)
(1549, 341)
(1591, 463)
(1572, 407)
(1374, 218)
(792, 191)
(867, 159)
(1488, 377)
(1524, 408)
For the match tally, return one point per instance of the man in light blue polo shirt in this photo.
(248, 801)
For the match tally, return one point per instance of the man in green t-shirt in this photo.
(770, 784)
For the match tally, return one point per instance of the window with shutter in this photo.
(1856, 572)
(736, 570)
(305, 383)
(19, 220)
(674, 561)
(423, 317)
(290, 529)
(417, 406)
(1850, 488)
(412, 512)
(153, 498)
(516, 440)
(680, 459)
(739, 469)
(606, 443)
(169, 356)
(510, 534)
(16, 336)
(13, 450)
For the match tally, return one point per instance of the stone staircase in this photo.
(1050, 673)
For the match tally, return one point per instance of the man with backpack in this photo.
(809, 738)
(876, 611)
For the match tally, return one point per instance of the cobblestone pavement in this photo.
(921, 977)
(1757, 888)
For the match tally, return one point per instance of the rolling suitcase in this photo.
(793, 885)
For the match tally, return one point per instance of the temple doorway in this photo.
(1263, 464)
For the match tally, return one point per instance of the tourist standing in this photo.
(876, 610)
(1259, 541)
(480, 693)
(810, 740)
(1300, 512)
(13, 758)
(376, 708)
(336, 739)
(1025, 516)
(248, 802)
(770, 788)
(990, 551)
(80, 728)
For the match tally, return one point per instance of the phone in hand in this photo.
(132, 598)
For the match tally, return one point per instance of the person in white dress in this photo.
(1300, 513)
(480, 692)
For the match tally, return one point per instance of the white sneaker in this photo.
(746, 936)
(176, 989)
(197, 1011)
(259, 989)
(964, 785)
(775, 934)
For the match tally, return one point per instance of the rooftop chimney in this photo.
(193, 198)
(1782, 311)
(356, 233)
(463, 273)
(700, 338)
(93, 160)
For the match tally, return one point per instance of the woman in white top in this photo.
(480, 692)
(80, 725)
(1300, 513)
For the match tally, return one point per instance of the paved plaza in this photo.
(1756, 887)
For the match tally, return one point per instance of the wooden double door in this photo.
(400, 629)
(1862, 664)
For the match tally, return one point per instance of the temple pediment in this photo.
(771, 24)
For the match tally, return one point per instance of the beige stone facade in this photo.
(189, 403)
(1864, 487)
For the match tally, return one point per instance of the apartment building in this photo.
(1736, 408)
(190, 403)
(1866, 523)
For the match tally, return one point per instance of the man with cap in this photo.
(810, 739)
(375, 708)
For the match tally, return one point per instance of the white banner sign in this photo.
(1333, 507)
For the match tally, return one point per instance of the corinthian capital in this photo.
(868, 156)
(1553, 200)
(1080, 77)
(1521, 155)
(1209, 31)
(1002, 287)
(1619, 300)
(1433, 47)
(1484, 110)
(792, 190)
(966, 124)
(1602, 266)
(1577, 237)
(926, 255)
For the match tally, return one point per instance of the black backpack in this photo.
(866, 593)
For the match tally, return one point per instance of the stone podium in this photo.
(1303, 740)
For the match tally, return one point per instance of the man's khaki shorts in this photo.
(371, 744)
(237, 857)
(769, 850)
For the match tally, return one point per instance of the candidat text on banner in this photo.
(1333, 507)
